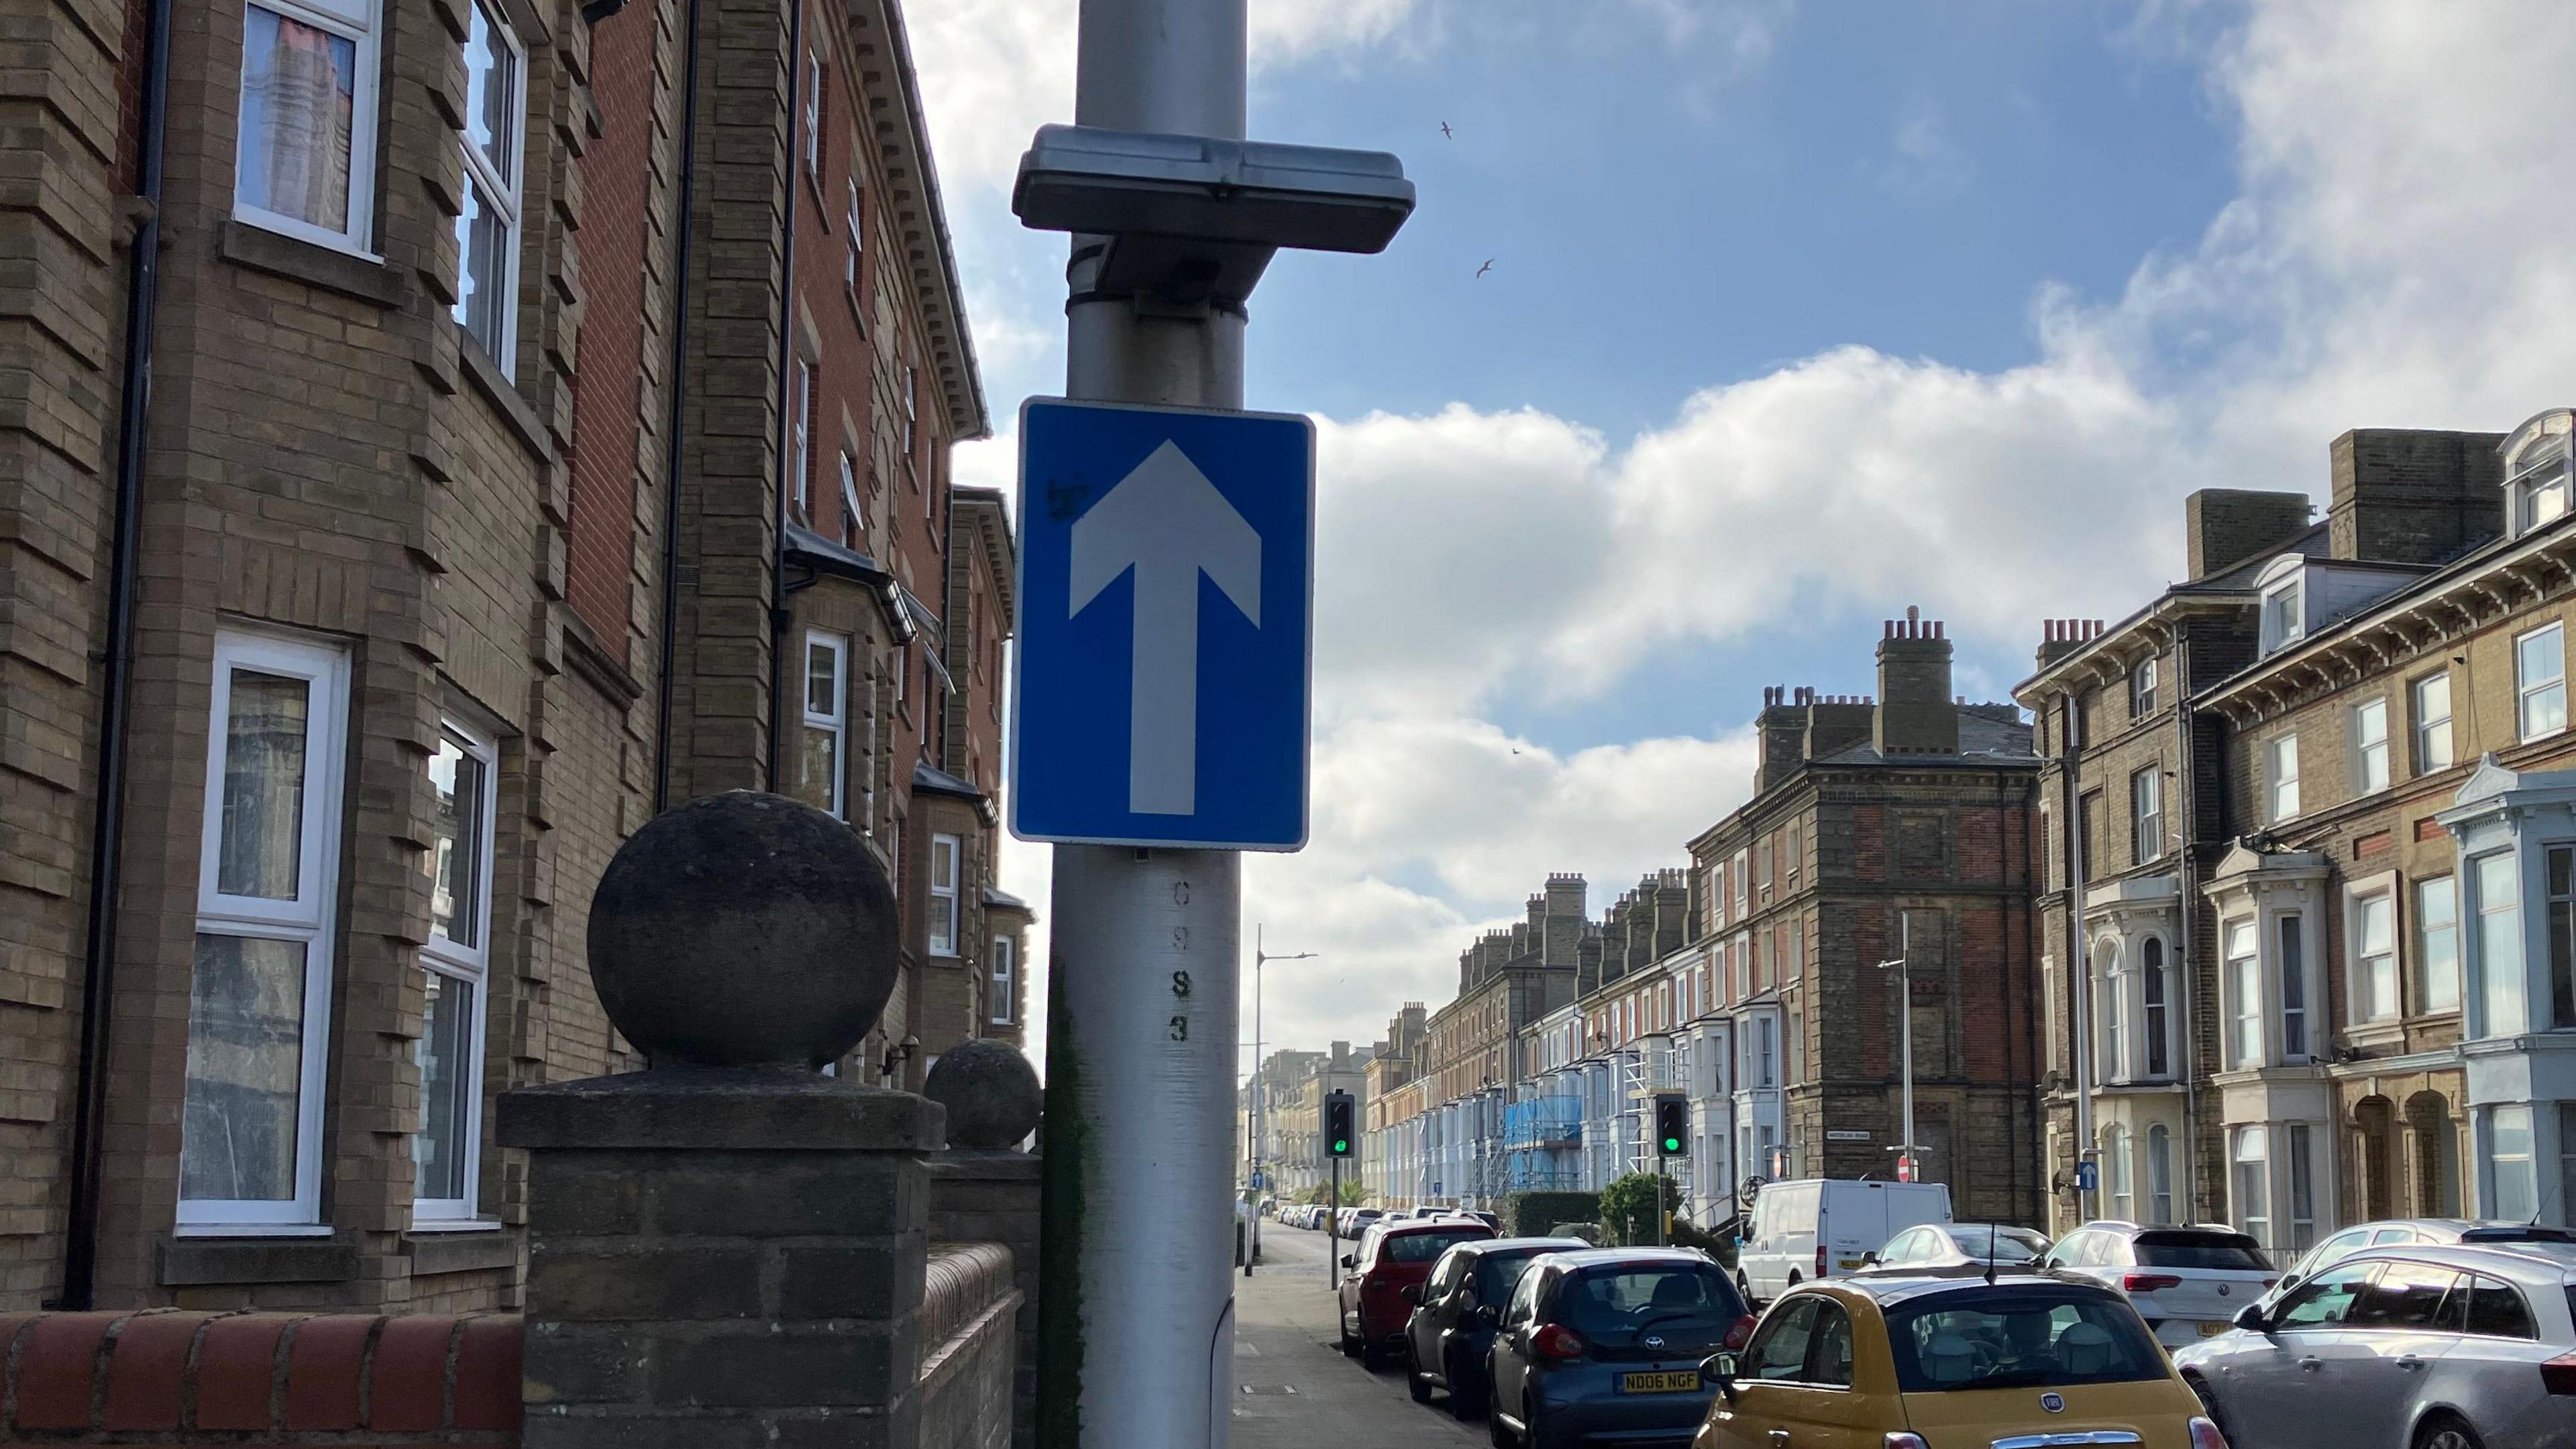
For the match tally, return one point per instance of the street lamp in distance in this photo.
(1260, 1088)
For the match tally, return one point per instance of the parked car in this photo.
(1360, 1221)
(1491, 1220)
(2400, 1232)
(1820, 1227)
(1372, 1301)
(1606, 1345)
(2412, 1347)
(1955, 1250)
(1946, 1363)
(2186, 1282)
(1451, 1328)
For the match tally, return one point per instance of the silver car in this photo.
(2416, 1347)
(2400, 1232)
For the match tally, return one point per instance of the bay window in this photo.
(2540, 681)
(2496, 878)
(487, 230)
(2437, 943)
(446, 1152)
(2511, 1192)
(2370, 746)
(826, 722)
(2249, 1179)
(2244, 997)
(259, 1002)
(1005, 980)
(304, 162)
(2294, 988)
(2110, 993)
(943, 895)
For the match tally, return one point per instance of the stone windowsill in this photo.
(464, 1247)
(495, 385)
(188, 1261)
(301, 261)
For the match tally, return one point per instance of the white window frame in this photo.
(854, 256)
(813, 113)
(2281, 777)
(854, 518)
(2500, 984)
(2110, 995)
(2366, 968)
(800, 451)
(2285, 620)
(2419, 697)
(912, 425)
(2303, 972)
(2540, 473)
(362, 24)
(2370, 772)
(508, 196)
(2426, 924)
(2142, 688)
(2156, 1008)
(944, 915)
(2527, 693)
(1005, 1007)
(471, 964)
(2119, 1182)
(836, 720)
(2299, 1198)
(2243, 974)
(2147, 815)
(309, 919)
(2250, 1147)
(2160, 1198)
(2494, 1162)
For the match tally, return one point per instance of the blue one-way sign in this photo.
(1166, 600)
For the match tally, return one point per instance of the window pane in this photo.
(2509, 1144)
(818, 768)
(2500, 943)
(2294, 987)
(456, 861)
(2540, 669)
(491, 95)
(261, 849)
(822, 679)
(444, 1054)
(245, 1070)
(2496, 1308)
(482, 296)
(2437, 919)
(299, 90)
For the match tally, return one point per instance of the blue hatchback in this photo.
(1603, 1347)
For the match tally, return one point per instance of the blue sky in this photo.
(1799, 313)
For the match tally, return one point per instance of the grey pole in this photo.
(1147, 942)
(1907, 1167)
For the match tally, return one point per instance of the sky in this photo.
(1799, 314)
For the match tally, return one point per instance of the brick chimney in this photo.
(2061, 637)
(2414, 495)
(1915, 712)
(2227, 526)
(1783, 727)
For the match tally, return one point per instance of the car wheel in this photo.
(1744, 1290)
(2446, 1431)
(2208, 1397)
(1416, 1382)
(1372, 1357)
(1350, 1345)
(1466, 1393)
(1495, 1431)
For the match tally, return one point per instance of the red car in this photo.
(1391, 1258)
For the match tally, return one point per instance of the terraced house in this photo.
(2320, 969)
(447, 434)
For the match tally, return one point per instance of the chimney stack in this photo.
(1915, 715)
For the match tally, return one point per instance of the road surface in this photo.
(1295, 1389)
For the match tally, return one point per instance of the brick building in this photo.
(2323, 972)
(432, 305)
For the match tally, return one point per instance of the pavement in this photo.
(1294, 1389)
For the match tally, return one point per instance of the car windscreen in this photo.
(2199, 1250)
(2004, 1245)
(1497, 1274)
(1424, 1247)
(1614, 1305)
(2019, 1335)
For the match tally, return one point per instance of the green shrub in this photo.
(1535, 1214)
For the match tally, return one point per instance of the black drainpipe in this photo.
(672, 430)
(779, 617)
(107, 833)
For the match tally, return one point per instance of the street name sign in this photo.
(1163, 676)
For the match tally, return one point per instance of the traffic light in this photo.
(1672, 1126)
(1341, 1136)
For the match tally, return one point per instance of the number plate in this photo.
(2215, 1327)
(1680, 1381)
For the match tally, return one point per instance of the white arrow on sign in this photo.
(1168, 522)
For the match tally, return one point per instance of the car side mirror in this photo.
(1489, 1315)
(1413, 1294)
(1869, 1260)
(2252, 1319)
(1350, 1260)
(1719, 1369)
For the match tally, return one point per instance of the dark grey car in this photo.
(1603, 1346)
(2416, 1347)
(1457, 1307)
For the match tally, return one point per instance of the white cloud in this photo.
(1924, 160)
(2395, 256)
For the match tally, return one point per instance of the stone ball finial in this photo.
(990, 1090)
(743, 930)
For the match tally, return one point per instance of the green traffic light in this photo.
(1672, 1144)
(1341, 1147)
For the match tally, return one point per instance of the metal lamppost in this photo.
(1260, 1089)
(1904, 964)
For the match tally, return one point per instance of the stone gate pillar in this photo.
(726, 1249)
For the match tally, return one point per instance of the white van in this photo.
(1821, 1227)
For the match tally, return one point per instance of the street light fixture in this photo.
(1260, 1088)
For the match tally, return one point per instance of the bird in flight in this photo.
(1487, 267)
(1445, 133)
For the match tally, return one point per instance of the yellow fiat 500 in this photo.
(2023, 1362)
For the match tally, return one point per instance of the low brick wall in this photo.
(167, 1376)
(992, 1197)
(967, 1347)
